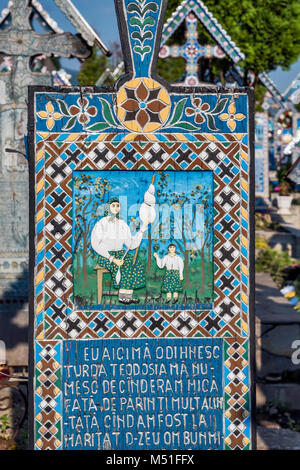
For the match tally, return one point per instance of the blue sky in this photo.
(102, 17)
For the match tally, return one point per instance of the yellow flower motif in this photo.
(231, 117)
(50, 115)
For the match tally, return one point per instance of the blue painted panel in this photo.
(143, 394)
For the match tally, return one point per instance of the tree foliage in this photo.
(94, 66)
(89, 194)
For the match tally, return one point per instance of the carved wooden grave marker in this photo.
(141, 194)
(261, 155)
(191, 51)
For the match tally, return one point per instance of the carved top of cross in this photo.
(142, 103)
(21, 40)
(191, 51)
(21, 43)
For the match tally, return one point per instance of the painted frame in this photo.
(222, 144)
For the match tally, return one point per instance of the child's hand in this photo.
(181, 278)
(155, 255)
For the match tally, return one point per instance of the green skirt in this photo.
(172, 282)
(132, 275)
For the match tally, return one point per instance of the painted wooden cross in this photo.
(164, 361)
(191, 51)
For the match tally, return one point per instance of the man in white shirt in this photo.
(108, 238)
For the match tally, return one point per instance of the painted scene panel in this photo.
(143, 238)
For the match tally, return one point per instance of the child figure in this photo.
(172, 282)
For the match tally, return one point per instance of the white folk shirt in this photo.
(112, 235)
(171, 262)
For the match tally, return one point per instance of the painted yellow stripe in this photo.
(245, 298)
(130, 137)
(244, 155)
(245, 214)
(40, 308)
(101, 137)
(245, 185)
(181, 137)
(44, 135)
(39, 155)
(210, 137)
(40, 245)
(39, 443)
(40, 185)
(72, 137)
(40, 215)
(39, 277)
(244, 326)
(245, 242)
(244, 269)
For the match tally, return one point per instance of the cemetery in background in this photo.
(202, 45)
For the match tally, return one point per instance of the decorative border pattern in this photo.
(48, 389)
(56, 314)
(237, 422)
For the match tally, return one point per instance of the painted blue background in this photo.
(161, 352)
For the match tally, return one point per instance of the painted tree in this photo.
(191, 242)
(89, 193)
(201, 240)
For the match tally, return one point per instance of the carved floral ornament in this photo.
(143, 105)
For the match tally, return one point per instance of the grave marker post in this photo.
(166, 362)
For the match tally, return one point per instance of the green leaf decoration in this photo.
(177, 114)
(132, 7)
(99, 126)
(142, 50)
(150, 7)
(150, 21)
(107, 113)
(211, 122)
(219, 106)
(63, 108)
(142, 37)
(186, 125)
(71, 123)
